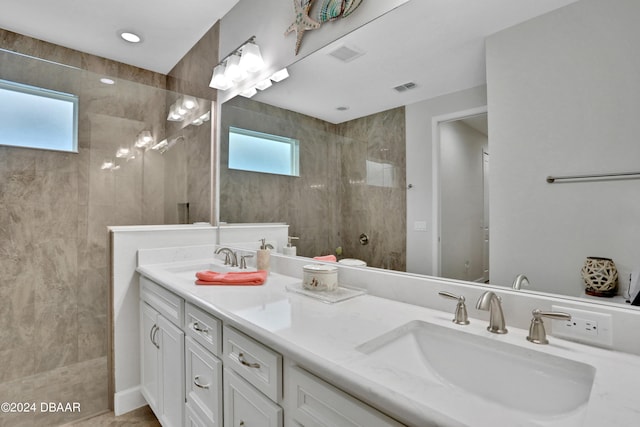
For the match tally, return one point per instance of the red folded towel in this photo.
(330, 258)
(237, 278)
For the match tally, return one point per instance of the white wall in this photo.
(269, 19)
(564, 97)
(419, 118)
(462, 201)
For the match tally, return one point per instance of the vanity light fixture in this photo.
(237, 66)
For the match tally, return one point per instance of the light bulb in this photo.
(251, 59)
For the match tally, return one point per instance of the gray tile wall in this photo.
(54, 210)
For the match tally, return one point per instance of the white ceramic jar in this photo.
(320, 277)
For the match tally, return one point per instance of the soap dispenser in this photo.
(290, 250)
(264, 256)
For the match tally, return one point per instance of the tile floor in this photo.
(142, 417)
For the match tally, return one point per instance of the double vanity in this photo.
(267, 356)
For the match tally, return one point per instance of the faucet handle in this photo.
(537, 333)
(227, 259)
(460, 317)
(243, 261)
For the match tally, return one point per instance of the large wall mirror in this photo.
(373, 109)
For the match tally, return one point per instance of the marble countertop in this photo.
(324, 339)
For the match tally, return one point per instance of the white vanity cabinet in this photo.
(198, 371)
(203, 368)
(315, 403)
(252, 382)
(162, 353)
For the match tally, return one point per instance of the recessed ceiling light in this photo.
(130, 37)
(107, 81)
(342, 108)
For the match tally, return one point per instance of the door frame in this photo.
(436, 121)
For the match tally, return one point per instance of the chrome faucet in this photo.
(520, 280)
(492, 303)
(460, 317)
(537, 333)
(230, 256)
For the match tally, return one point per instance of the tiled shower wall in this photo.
(335, 198)
(54, 211)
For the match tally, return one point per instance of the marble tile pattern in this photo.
(330, 204)
(54, 210)
(142, 417)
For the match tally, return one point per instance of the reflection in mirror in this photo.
(351, 182)
(552, 110)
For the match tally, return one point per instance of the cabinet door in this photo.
(171, 371)
(192, 417)
(149, 355)
(319, 404)
(244, 406)
(203, 382)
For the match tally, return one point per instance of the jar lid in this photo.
(319, 268)
(353, 262)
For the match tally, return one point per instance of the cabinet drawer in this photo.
(203, 382)
(315, 403)
(204, 328)
(245, 406)
(192, 418)
(256, 363)
(166, 303)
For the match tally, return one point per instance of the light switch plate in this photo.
(585, 326)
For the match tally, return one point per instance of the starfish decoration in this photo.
(303, 22)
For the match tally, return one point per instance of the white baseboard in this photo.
(127, 400)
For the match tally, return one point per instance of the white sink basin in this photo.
(189, 270)
(515, 377)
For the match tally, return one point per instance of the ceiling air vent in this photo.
(405, 87)
(346, 53)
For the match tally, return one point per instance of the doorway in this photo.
(461, 196)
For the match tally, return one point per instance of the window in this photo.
(261, 152)
(33, 117)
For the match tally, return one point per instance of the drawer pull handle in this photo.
(197, 327)
(196, 381)
(245, 363)
(154, 331)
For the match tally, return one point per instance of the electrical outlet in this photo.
(585, 326)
